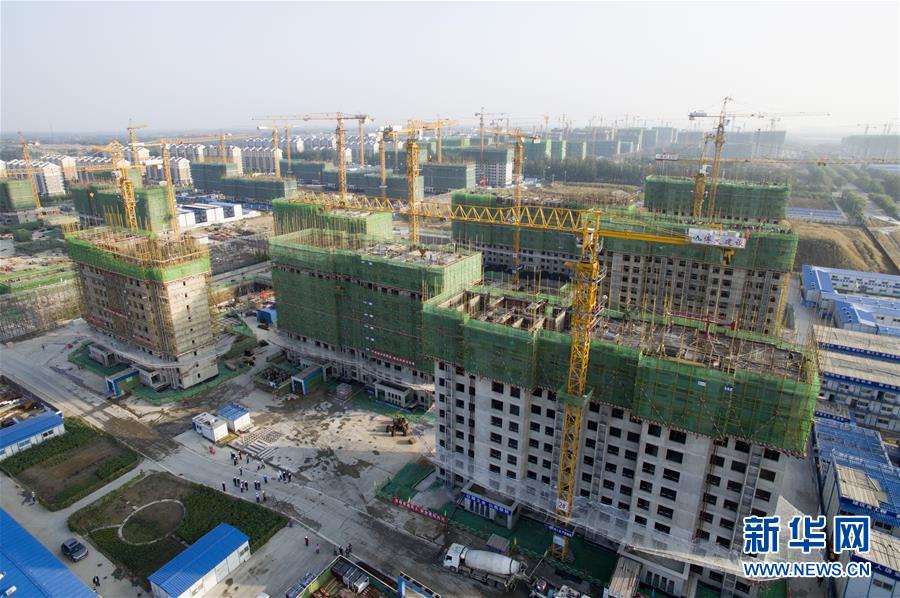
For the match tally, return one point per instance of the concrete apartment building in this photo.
(68, 165)
(147, 304)
(260, 159)
(351, 303)
(493, 167)
(673, 452)
(179, 168)
(684, 280)
(49, 176)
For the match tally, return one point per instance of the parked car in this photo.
(74, 549)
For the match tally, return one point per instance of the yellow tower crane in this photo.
(29, 169)
(718, 138)
(518, 172)
(481, 116)
(133, 141)
(363, 119)
(274, 129)
(125, 185)
(702, 168)
(412, 130)
(440, 125)
(586, 307)
(287, 140)
(340, 133)
(165, 153)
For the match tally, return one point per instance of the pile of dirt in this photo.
(838, 247)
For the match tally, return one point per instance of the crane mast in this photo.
(518, 175)
(133, 141)
(26, 155)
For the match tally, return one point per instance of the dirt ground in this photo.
(838, 247)
(889, 238)
(816, 203)
(49, 478)
(113, 511)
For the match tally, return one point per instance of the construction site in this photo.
(353, 304)
(686, 280)
(36, 295)
(148, 301)
(561, 407)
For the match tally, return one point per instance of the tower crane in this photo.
(340, 132)
(723, 118)
(412, 130)
(701, 173)
(518, 165)
(274, 130)
(586, 306)
(363, 119)
(440, 125)
(481, 116)
(133, 141)
(125, 185)
(26, 155)
(163, 145)
(287, 141)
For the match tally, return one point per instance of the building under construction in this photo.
(690, 423)
(35, 299)
(148, 302)
(352, 304)
(690, 281)
(686, 432)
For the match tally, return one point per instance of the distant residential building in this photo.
(49, 176)
(67, 163)
(872, 146)
(139, 156)
(861, 301)
(493, 166)
(180, 169)
(260, 159)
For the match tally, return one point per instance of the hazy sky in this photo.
(78, 66)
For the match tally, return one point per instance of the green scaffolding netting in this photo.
(768, 247)
(772, 410)
(151, 205)
(292, 216)
(343, 295)
(16, 196)
(85, 252)
(734, 200)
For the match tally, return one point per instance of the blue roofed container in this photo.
(31, 569)
(29, 432)
(203, 565)
(237, 417)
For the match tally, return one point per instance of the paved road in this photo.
(384, 536)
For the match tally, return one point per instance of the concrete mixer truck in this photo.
(485, 566)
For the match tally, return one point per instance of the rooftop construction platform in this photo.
(138, 254)
(666, 338)
(354, 291)
(669, 370)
